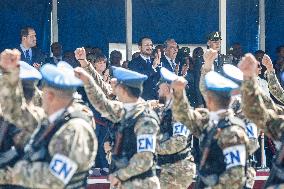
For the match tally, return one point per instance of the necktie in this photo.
(148, 61)
(27, 54)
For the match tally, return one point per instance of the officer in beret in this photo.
(269, 120)
(234, 74)
(63, 147)
(134, 153)
(14, 129)
(174, 153)
(223, 140)
(214, 42)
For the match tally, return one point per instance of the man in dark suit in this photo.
(29, 52)
(145, 65)
(169, 59)
(56, 49)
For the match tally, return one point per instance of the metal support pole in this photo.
(262, 25)
(54, 22)
(223, 24)
(128, 16)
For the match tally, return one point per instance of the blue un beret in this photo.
(28, 72)
(61, 76)
(128, 77)
(216, 82)
(233, 73)
(167, 76)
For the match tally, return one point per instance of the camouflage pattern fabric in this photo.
(115, 111)
(198, 120)
(274, 86)
(75, 139)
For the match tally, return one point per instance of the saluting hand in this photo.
(266, 61)
(209, 56)
(179, 84)
(81, 56)
(248, 65)
(9, 59)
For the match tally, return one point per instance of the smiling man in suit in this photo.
(29, 52)
(144, 64)
(169, 60)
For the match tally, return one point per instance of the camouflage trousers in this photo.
(150, 182)
(251, 174)
(178, 175)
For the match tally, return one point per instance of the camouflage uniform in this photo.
(176, 174)
(16, 110)
(116, 111)
(274, 86)
(267, 119)
(250, 128)
(198, 121)
(74, 141)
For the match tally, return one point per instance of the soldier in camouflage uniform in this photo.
(134, 163)
(266, 119)
(63, 147)
(273, 83)
(233, 73)
(16, 137)
(222, 135)
(174, 153)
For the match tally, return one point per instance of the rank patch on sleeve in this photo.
(62, 167)
(251, 130)
(180, 129)
(235, 156)
(146, 143)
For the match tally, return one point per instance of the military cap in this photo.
(60, 77)
(166, 76)
(217, 83)
(233, 73)
(128, 78)
(214, 36)
(184, 52)
(28, 72)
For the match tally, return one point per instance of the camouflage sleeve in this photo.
(173, 145)
(274, 86)
(110, 109)
(233, 176)
(14, 107)
(194, 120)
(76, 141)
(202, 87)
(141, 161)
(252, 103)
(37, 99)
(106, 88)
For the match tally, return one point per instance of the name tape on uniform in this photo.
(180, 129)
(62, 167)
(146, 143)
(251, 130)
(235, 156)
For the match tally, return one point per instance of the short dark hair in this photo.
(99, 57)
(134, 92)
(25, 31)
(141, 40)
(259, 52)
(28, 89)
(221, 99)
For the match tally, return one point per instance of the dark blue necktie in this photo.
(28, 57)
(148, 61)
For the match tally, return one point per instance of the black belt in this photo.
(173, 158)
(149, 173)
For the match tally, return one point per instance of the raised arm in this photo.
(194, 120)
